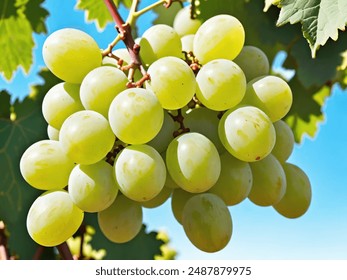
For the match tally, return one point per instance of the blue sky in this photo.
(259, 232)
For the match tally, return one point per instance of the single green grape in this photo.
(52, 133)
(179, 199)
(53, 218)
(70, 54)
(184, 24)
(284, 141)
(159, 199)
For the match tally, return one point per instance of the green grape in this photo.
(172, 81)
(140, 172)
(271, 94)
(284, 141)
(136, 116)
(124, 55)
(93, 187)
(100, 87)
(158, 41)
(60, 102)
(159, 199)
(86, 137)
(45, 166)
(221, 84)
(247, 133)
(165, 135)
(184, 24)
(52, 133)
(179, 199)
(221, 36)
(235, 180)
(193, 162)
(207, 222)
(70, 54)
(253, 61)
(122, 221)
(269, 181)
(298, 195)
(53, 218)
(187, 43)
(165, 15)
(204, 121)
(169, 182)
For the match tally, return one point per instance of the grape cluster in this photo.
(206, 130)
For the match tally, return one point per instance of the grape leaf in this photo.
(144, 246)
(320, 19)
(18, 20)
(16, 135)
(5, 104)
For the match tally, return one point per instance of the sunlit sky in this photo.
(259, 232)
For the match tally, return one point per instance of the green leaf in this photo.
(16, 196)
(306, 113)
(145, 246)
(320, 19)
(5, 104)
(18, 20)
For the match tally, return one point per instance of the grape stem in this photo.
(64, 251)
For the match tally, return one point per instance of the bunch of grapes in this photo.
(205, 129)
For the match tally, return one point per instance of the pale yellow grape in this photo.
(100, 87)
(140, 172)
(70, 54)
(136, 116)
(122, 221)
(298, 195)
(193, 162)
(52, 133)
(247, 133)
(179, 199)
(86, 137)
(172, 81)
(235, 180)
(221, 84)
(253, 61)
(271, 94)
(221, 36)
(284, 141)
(204, 121)
(53, 218)
(93, 187)
(187, 43)
(45, 166)
(269, 181)
(158, 41)
(184, 24)
(207, 222)
(165, 135)
(159, 199)
(60, 102)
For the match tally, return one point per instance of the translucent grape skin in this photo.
(136, 116)
(52, 133)
(271, 94)
(187, 43)
(207, 222)
(221, 84)
(100, 86)
(60, 102)
(70, 54)
(122, 221)
(298, 195)
(235, 181)
(93, 187)
(284, 141)
(247, 133)
(269, 181)
(45, 166)
(159, 41)
(253, 62)
(193, 162)
(221, 36)
(172, 81)
(86, 137)
(140, 172)
(184, 24)
(179, 199)
(159, 199)
(53, 218)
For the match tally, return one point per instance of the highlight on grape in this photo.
(200, 121)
